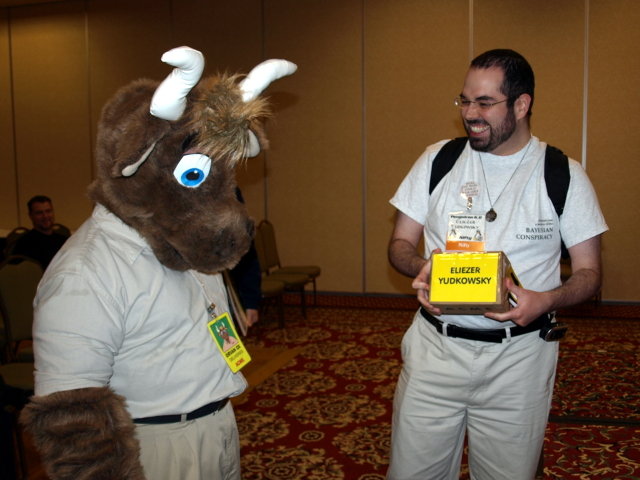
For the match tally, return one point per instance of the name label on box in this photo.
(469, 283)
(472, 277)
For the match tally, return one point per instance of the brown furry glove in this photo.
(84, 434)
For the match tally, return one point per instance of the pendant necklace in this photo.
(491, 215)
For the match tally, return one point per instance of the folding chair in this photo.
(19, 278)
(272, 259)
(292, 281)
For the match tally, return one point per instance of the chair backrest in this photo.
(268, 233)
(258, 242)
(61, 229)
(18, 284)
(12, 238)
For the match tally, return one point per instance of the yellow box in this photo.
(470, 283)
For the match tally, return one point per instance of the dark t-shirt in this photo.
(39, 246)
(246, 277)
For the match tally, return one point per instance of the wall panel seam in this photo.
(585, 85)
(470, 30)
(13, 115)
(90, 107)
(265, 157)
(363, 140)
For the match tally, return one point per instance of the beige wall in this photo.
(8, 194)
(413, 69)
(613, 145)
(50, 106)
(374, 87)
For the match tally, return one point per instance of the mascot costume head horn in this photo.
(121, 318)
(166, 156)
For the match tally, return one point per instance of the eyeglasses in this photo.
(462, 102)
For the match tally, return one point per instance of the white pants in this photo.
(207, 448)
(499, 394)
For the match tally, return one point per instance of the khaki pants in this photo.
(498, 394)
(207, 448)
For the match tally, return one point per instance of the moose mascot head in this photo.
(123, 348)
(166, 157)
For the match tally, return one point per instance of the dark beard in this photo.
(497, 136)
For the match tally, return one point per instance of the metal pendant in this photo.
(491, 215)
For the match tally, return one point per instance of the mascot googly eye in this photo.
(192, 170)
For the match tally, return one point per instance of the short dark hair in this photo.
(518, 74)
(38, 199)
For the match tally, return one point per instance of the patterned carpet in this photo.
(326, 413)
(594, 431)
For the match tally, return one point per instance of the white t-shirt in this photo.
(107, 312)
(527, 227)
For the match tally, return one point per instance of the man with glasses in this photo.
(457, 379)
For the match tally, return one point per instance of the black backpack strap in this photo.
(557, 177)
(445, 159)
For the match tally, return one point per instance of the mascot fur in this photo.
(165, 182)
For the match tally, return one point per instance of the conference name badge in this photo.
(466, 233)
(228, 342)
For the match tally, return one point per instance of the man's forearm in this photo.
(582, 285)
(405, 258)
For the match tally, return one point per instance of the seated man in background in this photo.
(41, 243)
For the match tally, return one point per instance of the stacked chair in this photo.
(273, 259)
(270, 290)
(19, 277)
(61, 229)
(294, 277)
(12, 238)
(273, 289)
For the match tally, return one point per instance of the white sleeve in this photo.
(77, 331)
(412, 196)
(582, 217)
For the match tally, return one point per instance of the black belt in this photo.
(208, 409)
(484, 335)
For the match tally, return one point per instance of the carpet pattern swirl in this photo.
(326, 413)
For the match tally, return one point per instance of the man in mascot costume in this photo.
(129, 381)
